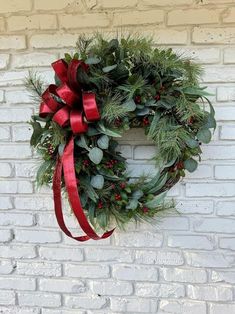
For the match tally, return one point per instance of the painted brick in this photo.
(52, 5)
(39, 299)
(17, 283)
(5, 202)
(147, 239)
(39, 59)
(83, 21)
(15, 152)
(225, 208)
(108, 255)
(204, 35)
(17, 251)
(229, 15)
(84, 302)
(218, 225)
(62, 254)
(6, 267)
(53, 40)
(184, 275)
(20, 23)
(227, 132)
(225, 93)
(210, 293)
(159, 257)
(191, 242)
(227, 243)
(199, 16)
(15, 6)
(138, 17)
(87, 271)
(21, 133)
(37, 236)
(12, 42)
(209, 259)
(5, 133)
(15, 115)
(139, 273)
(4, 61)
(111, 288)
(195, 207)
(223, 276)
(38, 269)
(5, 235)
(61, 285)
(7, 298)
(156, 290)
(107, 4)
(133, 305)
(182, 307)
(16, 219)
(218, 308)
(5, 169)
(206, 189)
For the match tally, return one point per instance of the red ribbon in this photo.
(71, 110)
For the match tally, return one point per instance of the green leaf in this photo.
(97, 181)
(103, 142)
(190, 164)
(61, 149)
(88, 189)
(153, 124)
(129, 105)
(92, 60)
(204, 135)
(159, 183)
(192, 143)
(95, 155)
(156, 200)
(109, 68)
(133, 204)
(37, 132)
(137, 194)
(199, 91)
(142, 112)
(81, 142)
(91, 213)
(102, 219)
(149, 185)
(108, 132)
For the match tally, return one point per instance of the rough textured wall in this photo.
(187, 265)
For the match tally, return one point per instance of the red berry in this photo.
(180, 165)
(86, 162)
(146, 121)
(112, 186)
(190, 120)
(122, 185)
(100, 205)
(117, 122)
(157, 97)
(145, 209)
(138, 99)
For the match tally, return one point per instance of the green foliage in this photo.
(135, 85)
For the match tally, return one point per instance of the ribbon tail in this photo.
(58, 203)
(71, 186)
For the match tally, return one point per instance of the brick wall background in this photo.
(187, 264)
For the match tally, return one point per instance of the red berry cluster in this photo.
(111, 163)
(117, 122)
(122, 185)
(138, 99)
(100, 205)
(145, 209)
(50, 149)
(118, 197)
(86, 162)
(146, 121)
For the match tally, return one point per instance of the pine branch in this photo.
(35, 85)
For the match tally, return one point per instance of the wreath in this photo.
(105, 88)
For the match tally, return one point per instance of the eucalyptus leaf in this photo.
(143, 112)
(160, 183)
(109, 68)
(95, 155)
(129, 105)
(81, 142)
(204, 135)
(108, 132)
(190, 164)
(199, 91)
(192, 143)
(97, 181)
(156, 201)
(137, 194)
(103, 142)
(133, 204)
(61, 149)
(92, 60)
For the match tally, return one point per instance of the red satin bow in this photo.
(74, 104)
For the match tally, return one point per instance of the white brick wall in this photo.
(182, 265)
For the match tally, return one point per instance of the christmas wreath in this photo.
(105, 88)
